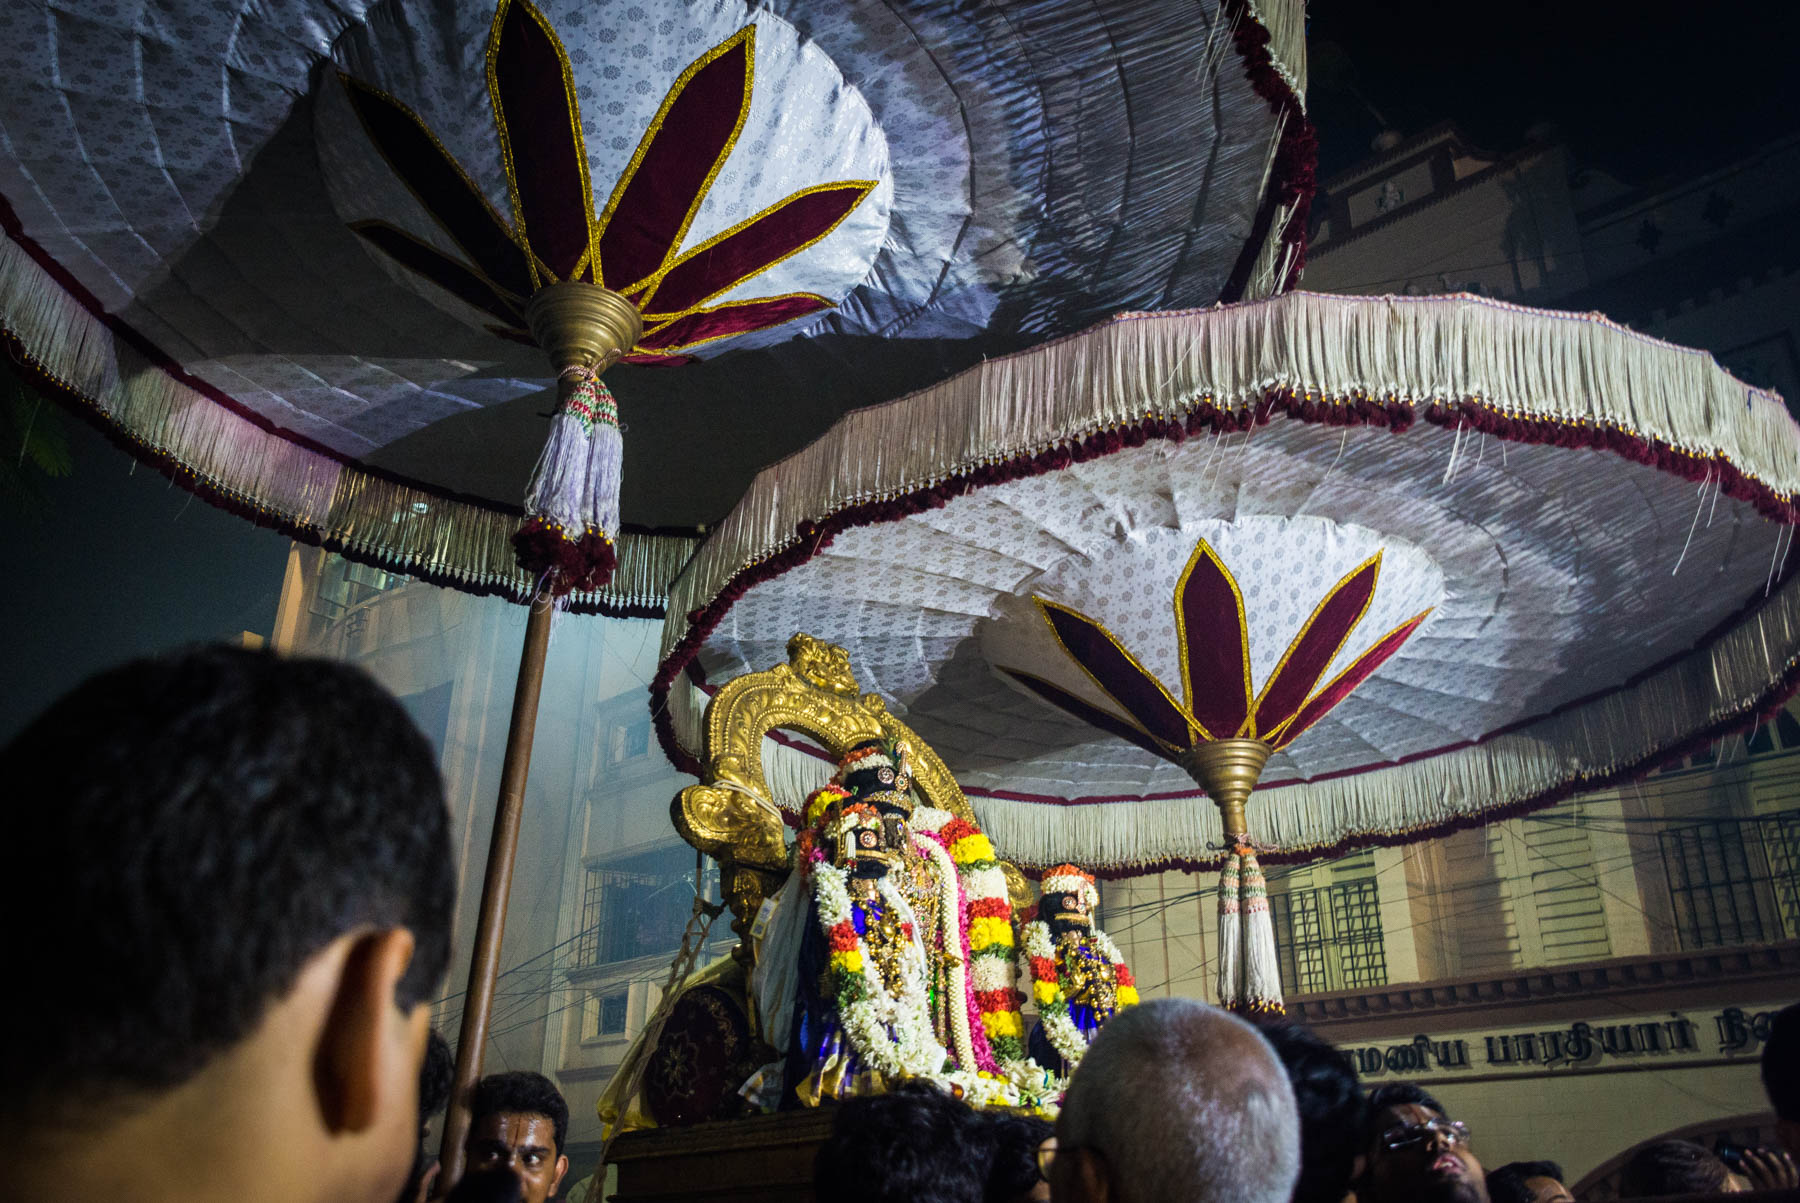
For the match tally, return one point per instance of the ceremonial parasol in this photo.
(1437, 560)
(295, 254)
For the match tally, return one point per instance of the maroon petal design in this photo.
(533, 90)
(720, 264)
(439, 268)
(1347, 681)
(658, 194)
(726, 320)
(645, 360)
(439, 183)
(1117, 672)
(1092, 715)
(1215, 645)
(1313, 649)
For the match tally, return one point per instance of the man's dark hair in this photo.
(1013, 1142)
(1394, 1094)
(521, 1092)
(1671, 1167)
(185, 833)
(436, 1073)
(1330, 1101)
(1507, 1184)
(913, 1143)
(1781, 1064)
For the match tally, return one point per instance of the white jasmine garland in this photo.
(891, 1033)
(950, 928)
(1068, 1040)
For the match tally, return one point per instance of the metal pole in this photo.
(490, 925)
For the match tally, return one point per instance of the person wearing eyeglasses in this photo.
(1416, 1153)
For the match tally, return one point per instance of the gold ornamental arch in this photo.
(732, 815)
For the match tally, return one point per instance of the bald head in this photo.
(1177, 1100)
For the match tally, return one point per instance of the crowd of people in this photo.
(1179, 1101)
(230, 878)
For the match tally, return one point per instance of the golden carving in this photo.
(824, 664)
(732, 815)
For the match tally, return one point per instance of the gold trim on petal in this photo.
(1307, 626)
(500, 223)
(1044, 606)
(541, 274)
(1181, 637)
(1277, 738)
(650, 284)
(746, 34)
(713, 338)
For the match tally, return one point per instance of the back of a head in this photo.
(914, 1143)
(186, 833)
(1672, 1167)
(1185, 1102)
(1510, 1183)
(1781, 1064)
(1330, 1101)
(522, 1092)
(1012, 1161)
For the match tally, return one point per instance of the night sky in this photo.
(116, 563)
(1645, 91)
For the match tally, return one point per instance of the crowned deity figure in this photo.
(885, 990)
(1075, 973)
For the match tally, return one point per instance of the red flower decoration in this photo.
(843, 936)
(1043, 969)
(991, 908)
(633, 245)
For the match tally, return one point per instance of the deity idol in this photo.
(1076, 975)
(885, 991)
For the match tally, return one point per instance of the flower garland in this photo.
(891, 1032)
(1038, 966)
(990, 940)
(953, 938)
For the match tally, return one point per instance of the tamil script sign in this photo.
(1670, 1037)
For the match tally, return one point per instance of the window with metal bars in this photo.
(606, 1015)
(635, 907)
(1329, 937)
(1734, 881)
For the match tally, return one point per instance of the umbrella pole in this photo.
(490, 925)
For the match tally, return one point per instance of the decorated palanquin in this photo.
(882, 942)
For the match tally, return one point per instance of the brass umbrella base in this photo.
(1228, 769)
(1249, 974)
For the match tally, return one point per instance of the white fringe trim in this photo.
(401, 527)
(1529, 363)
